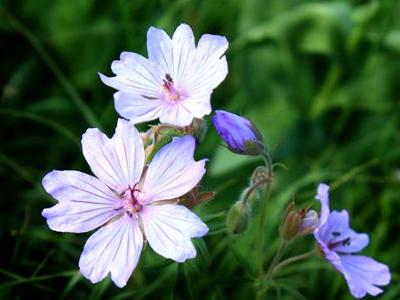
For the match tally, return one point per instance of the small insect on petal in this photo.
(175, 83)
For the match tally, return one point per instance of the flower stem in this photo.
(276, 259)
(263, 289)
(289, 261)
(260, 233)
(251, 189)
(276, 266)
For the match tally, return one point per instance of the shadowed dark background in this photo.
(319, 78)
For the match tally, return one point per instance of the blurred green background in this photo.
(321, 80)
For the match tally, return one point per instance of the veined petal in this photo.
(183, 47)
(180, 114)
(323, 197)
(337, 232)
(159, 47)
(168, 229)
(173, 172)
(210, 64)
(199, 105)
(136, 108)
(364, 275)
(85, 203)
(114, 248)
(118, 161)
(135, 75)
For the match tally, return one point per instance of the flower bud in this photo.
(309, 223)
(238, 133)
(238, 217)
(195, 197)
(298, 222)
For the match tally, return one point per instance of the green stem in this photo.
(263, 287)
(290, 261)
(251, 189)
(260, 233)
(276, 259)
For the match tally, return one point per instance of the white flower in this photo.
(130, 204)
(175, 83)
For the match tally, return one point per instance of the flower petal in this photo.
(183, 50)
(114, 248)
(85, 203)
(182, 113)
(173, 171)
(323, 197)
(118, 161)
(179, 114)
(364, 274)
(199, 105)
(136, 108)
(135, 75)
(336, 231)
(159, 47)
(168, 229)
(210, 65)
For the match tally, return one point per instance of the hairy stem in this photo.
(289, 261)
(260, 233)
(251, 189)
(263, 289)
(276, 259)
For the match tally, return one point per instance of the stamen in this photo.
(132, 204)
(345, 242)
(170, 93)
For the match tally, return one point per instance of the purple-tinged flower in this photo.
(128, 204)
(338, 242)
(238, 133)
(298, 222)
(175, 83)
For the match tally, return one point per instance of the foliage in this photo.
(318, 78)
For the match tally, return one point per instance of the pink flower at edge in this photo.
(174, 83)
(338, 244)
(127, 205)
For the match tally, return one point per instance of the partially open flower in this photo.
(298, 222)
(238, 133)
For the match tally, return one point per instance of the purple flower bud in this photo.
(238, 133)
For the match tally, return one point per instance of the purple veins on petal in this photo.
(119, 199)
(338, 244)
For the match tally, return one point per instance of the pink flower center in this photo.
(169, 92)
(132, 204)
